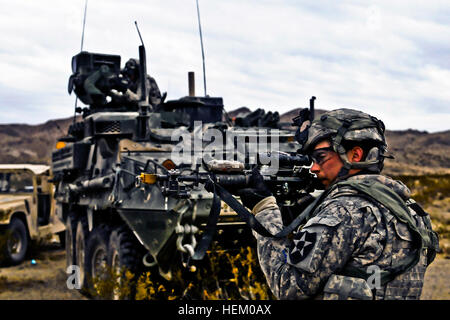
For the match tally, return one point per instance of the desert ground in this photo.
(45, 280)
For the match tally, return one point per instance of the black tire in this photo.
(81, 236)
(71, 225)
(96, 260)
(16, 242)
(125, 254)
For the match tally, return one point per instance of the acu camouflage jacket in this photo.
(346, 231)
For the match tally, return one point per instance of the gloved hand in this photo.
(253, 193)
(256, 190)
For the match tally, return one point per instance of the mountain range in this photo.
(416, 152)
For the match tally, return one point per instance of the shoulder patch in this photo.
(303, 244)
(307, 248)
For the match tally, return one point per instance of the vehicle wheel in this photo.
(71, 225)
(16, 242)
(124, 255)
(97, 271)
(81, 236)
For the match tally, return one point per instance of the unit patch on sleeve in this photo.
(304, 242)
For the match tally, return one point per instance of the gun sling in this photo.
(246, 216)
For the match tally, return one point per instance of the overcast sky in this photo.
(388, 58)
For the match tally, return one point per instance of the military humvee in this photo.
(26, 209)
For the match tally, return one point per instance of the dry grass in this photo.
(222, 275)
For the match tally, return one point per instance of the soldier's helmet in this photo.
(131, 68)
(348, 125)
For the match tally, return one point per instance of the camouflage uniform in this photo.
(134, 93)
(346, 230)
(93, 94)
(153, 94)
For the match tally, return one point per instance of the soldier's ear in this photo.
(356, 154)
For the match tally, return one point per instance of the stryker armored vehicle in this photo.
(114, 216)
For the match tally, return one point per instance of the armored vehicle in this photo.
(113, 215)
(26, 209)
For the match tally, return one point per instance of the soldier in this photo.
(133, 94)
(365, 238)
(100, 87)
(94, 95)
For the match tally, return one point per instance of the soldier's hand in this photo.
(256, 191)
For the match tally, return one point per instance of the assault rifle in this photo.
(231, 174)
(290, 183)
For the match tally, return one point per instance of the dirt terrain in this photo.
(46, 280)
(437, 281)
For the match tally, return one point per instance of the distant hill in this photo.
(418, 152)
(415, 152)
(22, 143)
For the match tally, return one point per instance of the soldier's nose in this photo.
(315, 168)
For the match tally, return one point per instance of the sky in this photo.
(390, 59)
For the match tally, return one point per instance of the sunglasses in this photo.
(322, 155)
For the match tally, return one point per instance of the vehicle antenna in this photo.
(201, 43)
(81, 49)
(84, 24)
(139, 33)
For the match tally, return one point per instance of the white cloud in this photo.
(390, 59)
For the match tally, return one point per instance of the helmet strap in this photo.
(344, 172)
